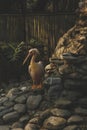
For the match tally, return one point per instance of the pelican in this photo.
(35, 69)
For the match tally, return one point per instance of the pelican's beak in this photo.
(26, 58)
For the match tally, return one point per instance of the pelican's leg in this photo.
(34, 86)
(39, 86)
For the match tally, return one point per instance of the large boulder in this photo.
(33, 101)
(54, 123)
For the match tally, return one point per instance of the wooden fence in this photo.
(46, 28)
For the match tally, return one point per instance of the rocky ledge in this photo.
(51, 108)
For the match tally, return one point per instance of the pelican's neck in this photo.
(33, 59)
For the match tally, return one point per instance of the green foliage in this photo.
(11, 58)
(33, 42)
(11, 51)
(16, 51)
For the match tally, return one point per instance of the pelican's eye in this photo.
(30, 52)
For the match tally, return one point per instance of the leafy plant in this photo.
(37, 44)
(11, 58)
(11, 51)
(16, 51)
(34, 42)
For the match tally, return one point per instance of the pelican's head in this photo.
(31, 52)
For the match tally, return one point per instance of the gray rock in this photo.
(74, 76)
(63, 103)
(31, 127)
(84, 67)
(10, 117)
(12, 98)
(71, 95)
(72, 58)
(53, 80)
(4, 127)
(24, 119)
(65, 69)
(43, 129)
(33, 101)
(54, 123)
(84, 77)
(1, 122)
(17, 129)
(3, 94)
(20, 99)
(37, 114)
(27, 95)
(31, 113)
(8, 104)
(81, 71)
(20, 108)
(46, 104)
(75, 119)
(2, 113)
(23, 88)
(1, 90)
(45, 114)
(3, 99)
(17, 125)
(60, 113)
(68, 56)
(55, 91)
(83, 102)
(74, 84)
(81, 111)
(34, 120)
(13, 91)
(25, 84)
(72, 127)
(2, 108)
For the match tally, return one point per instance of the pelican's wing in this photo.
(41, 67)
(32, 72)
(29, 69)
(36, 71)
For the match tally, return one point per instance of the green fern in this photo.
(16, 51)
